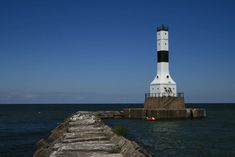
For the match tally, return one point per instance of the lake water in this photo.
(21, 126)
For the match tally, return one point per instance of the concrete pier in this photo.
(85, 135)
(165, 107)
(188, 113)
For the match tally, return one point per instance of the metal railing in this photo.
(162, 27)
(152, 95)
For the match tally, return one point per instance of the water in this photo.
(21, 126)
(210, 137)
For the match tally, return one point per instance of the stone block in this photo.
(169, 103)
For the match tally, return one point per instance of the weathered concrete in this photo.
(85, 135)
(165, 107)
(170, 103)
(141, 113)
(198, 112)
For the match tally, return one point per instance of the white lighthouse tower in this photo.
(163, 84)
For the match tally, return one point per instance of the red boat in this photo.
(150, 118)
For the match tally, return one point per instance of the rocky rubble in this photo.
(85, 135)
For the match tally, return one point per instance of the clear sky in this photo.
(104, 51)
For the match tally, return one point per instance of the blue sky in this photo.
(105, 51)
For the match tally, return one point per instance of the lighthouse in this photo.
(163, 92)
(163, 84)
(163, 101)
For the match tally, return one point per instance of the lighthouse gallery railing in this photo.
(152, 95)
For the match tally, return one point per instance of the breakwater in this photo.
(85, 134)
(187, 113)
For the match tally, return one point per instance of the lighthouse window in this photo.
(167, 76)
(157, 76)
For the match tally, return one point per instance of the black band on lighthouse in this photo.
(162, 56)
